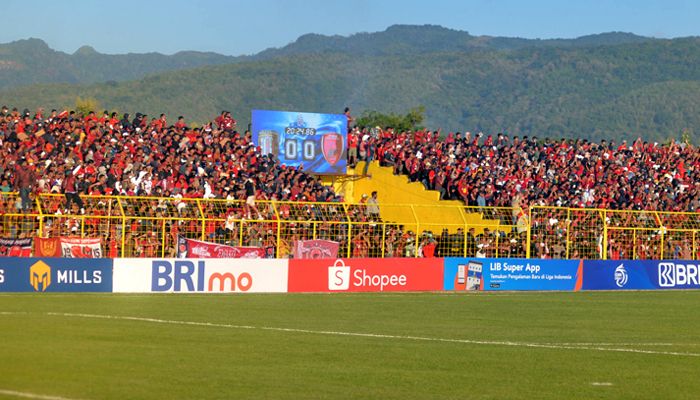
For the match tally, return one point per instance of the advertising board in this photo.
(139, 275)
(365, 275)
(512, 274)
(641, 274)
(55, 275)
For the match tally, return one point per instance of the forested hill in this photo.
(604, 86)
(31, 61)
(422, 39)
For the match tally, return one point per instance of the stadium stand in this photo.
(139, 183)
(496, 172)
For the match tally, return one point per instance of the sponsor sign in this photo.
(641, 274)
(69, 247)
(132, 275)
(464, 274)
(190, 248)
(306, 249)
(55, 275)
(16, 247)
(365, 275)
(512, 274)
(317, 142)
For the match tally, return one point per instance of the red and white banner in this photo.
(190, 248)
(366, 275)
(16, 247)
(68, 247)
(81, 248)
(314, 249)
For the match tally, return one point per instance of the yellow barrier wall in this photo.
(396, 189)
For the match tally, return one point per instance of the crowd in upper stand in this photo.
(486, 170)
(107, 153)
(61, 152)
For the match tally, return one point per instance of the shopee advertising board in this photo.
(139, 275)
(365, 275)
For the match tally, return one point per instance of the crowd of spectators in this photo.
(112, 154)
(520, 172)
(74, 155)
(61, 152)
(496, 170)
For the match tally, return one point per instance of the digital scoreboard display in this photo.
(316, 141)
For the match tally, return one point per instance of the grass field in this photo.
(636, 345)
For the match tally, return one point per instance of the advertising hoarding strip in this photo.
(19, 274)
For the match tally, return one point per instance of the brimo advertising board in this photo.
(198, 275)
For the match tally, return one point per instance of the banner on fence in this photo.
(365, 275)
(55, 275)
(68, 247)
(313, 249)
(191, 248)
(137, 275)
(512, 274)
(16, 247)
(641, 274)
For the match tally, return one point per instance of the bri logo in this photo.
(672, 275)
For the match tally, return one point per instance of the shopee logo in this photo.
(362, 278)
(339, 276)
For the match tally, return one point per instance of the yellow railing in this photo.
(149, 226)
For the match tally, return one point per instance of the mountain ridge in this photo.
(632, 86)
(32, 61)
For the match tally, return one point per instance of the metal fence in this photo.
(149, 227)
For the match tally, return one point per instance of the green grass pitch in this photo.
(605, 345)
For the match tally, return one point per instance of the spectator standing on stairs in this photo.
(370, 149)
(373, 208)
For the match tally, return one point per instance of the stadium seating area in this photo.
(139, 182)
(142, 156)
(487, 171)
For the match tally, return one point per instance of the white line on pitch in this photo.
(376, 335)
(611, 344)
(28, 395)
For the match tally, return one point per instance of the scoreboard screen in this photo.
(316, 141)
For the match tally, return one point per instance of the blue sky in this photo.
(247, 27)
